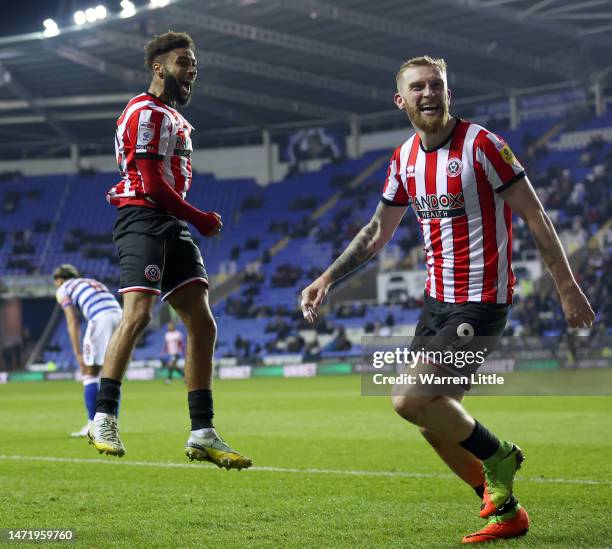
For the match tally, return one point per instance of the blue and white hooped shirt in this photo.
(89, 296)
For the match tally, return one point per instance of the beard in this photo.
(427, 123)
(175, 92)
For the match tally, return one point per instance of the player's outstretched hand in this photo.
(577, 309)
(210, 224)
(312, 297)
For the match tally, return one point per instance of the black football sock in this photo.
(482, 443)
(479, 490)
(108, 396)
(200, 408)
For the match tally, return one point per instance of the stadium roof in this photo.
(273, 63)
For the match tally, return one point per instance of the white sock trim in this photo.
(206, 432)
(88, 380)
(101, 415)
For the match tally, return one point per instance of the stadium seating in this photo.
(50, 220)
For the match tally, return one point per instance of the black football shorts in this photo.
(463, 329)
(156, 252)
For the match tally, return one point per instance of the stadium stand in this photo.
(277, 238)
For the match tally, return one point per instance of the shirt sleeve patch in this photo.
(146, 132)
(505, 152)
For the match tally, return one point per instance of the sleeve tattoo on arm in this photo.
(359, 251)
(549, 246)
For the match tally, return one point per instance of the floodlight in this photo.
(90, 14)
(127, 9)
(100, 12)
(80, 17)
(51, 28)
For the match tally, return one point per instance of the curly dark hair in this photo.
(164, 43)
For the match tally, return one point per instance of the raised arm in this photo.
(366, 244)
(523, 200)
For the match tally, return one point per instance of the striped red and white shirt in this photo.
(174, 342)
(467, 227)
(150, 128)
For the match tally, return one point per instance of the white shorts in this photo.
(97, 337)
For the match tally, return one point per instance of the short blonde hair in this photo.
(422, 61)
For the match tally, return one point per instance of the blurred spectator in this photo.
(324, 326)
(312, 351)
(286, 276)
(303, 203)
(252, 203)
(295, 343)
(340, 342)
(242, 347)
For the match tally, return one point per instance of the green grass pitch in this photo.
(332, 469)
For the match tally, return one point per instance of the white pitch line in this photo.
(341, 472)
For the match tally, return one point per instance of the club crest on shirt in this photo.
(454, 167)
(153, 273)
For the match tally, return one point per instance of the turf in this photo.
(333, 469)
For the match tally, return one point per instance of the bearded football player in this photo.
(463, 183)
(157, 255)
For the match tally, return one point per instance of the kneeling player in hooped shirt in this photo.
(463, 183)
